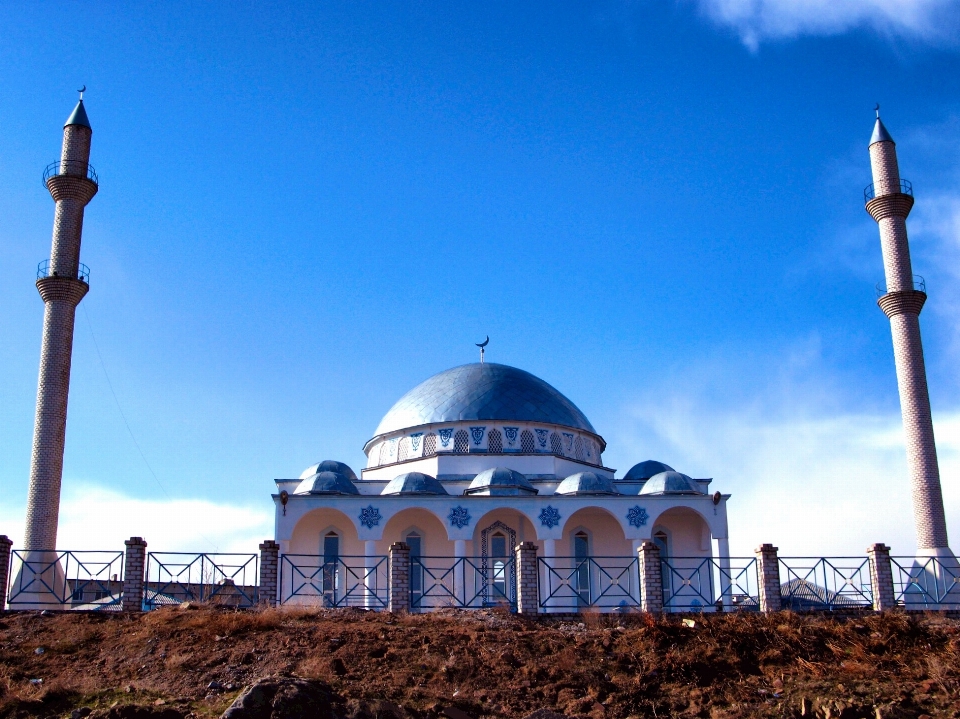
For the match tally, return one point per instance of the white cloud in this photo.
(805, 476)
(92, 517)
(759, 20)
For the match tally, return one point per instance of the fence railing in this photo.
(870, 191)
(697, 584)
(926, 582)
(917, 283)
(177, 577)
(45, 269)
(825, 583)
(439, 582)
(64, 579)
(72, 168)
(570, 584)
(308, 579)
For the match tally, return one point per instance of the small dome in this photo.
(329, 465)
(326, 483)
(670, 483)
(586, 483)
(500, 481)
(645, 470)
(414, 483)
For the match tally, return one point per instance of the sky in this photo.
(306, 209)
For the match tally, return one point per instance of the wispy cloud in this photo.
(92, 517)
(756, 21)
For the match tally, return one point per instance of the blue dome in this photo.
(670, 483)
(326, 483)
(500, 481)
(414, 483)
(329, 465)
(645, 470)
(586, 483)
(483, 392)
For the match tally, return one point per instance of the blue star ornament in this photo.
(637, 516)
(549, 517)
(459, 517)
(370, 516)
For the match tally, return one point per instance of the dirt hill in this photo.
(178, 663)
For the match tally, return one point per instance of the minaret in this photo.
(62, 281)
(889, 200)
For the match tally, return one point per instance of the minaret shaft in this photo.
(902, 303)
(62, 287)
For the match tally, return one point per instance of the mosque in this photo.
(479, 458)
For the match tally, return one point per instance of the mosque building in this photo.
(479, 458)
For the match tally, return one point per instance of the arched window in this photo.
(461, 442)
(555, 446)
(526, 441)
(581, 554)
(384, 454)
(430, 445)
(494, 441)
(578, 448)
(414, 541)
(404, 449)
(331, 568)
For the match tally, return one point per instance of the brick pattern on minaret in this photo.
(902, 303)
(61, 290)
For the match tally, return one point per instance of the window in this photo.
(581, 554)
(404, 449)
(413, 540)
(331, 566)
(578, 448)
(430, 445)
(555, 445)
(494, 441)
(461, 442)
(382, 459)
(526, 441)
(498, 556)
(660, 539)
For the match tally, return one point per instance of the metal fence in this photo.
(65, 579)
(177, 577)
(571, 584)
(825, 583)
(309, 579)
(439, 582)
(926, 582)
(698, 584)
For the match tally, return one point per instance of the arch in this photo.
(688, 531)
(382, 454)
(494, 441)
(403, 450)
(526, 442)
(306, 537)
(555, 445)
(578, 448)
(607, 537)
(430, 445)
(424, 521)
(461, 442)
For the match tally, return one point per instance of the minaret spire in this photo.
(889, 199)
(62, 281)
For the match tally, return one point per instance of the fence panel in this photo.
(66, 579)
(176, 577)
(309, 580)
(571, 584)
(697, 584)
(926, 582)
(825, 583)
(438, 582)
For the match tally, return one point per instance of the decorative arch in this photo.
(494, 441)
(555, 444)
(578, 448)
(461, 442)
(526, 442)
(403, 450)
(430, 445)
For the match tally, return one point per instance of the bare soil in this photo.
(181, 663)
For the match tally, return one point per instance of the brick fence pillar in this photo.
(5, 546)
(269, 566)
(881, 577)
(768, 577)
(399, 577)
(528, 599)
(134, 565)
(651, 577)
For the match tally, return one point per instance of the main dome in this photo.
(483, 392)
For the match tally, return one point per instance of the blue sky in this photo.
(655, 206)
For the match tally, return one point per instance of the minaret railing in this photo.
(71, 168)
(918, 285)
(44, 270)
(870, 191)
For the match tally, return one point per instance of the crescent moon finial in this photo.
(82, 90)
(877, 110)
(483, 344)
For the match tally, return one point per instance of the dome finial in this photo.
(81, 91)
(482, 345)
(877, 110)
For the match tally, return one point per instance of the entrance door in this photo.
(496, 575)
(413, 541)
(331, 569)
(581, 553)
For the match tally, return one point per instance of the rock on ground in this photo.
(285, 698)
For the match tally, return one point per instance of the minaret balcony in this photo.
(70, 168)
(45, 270)
(870, 191)
(905, 300)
